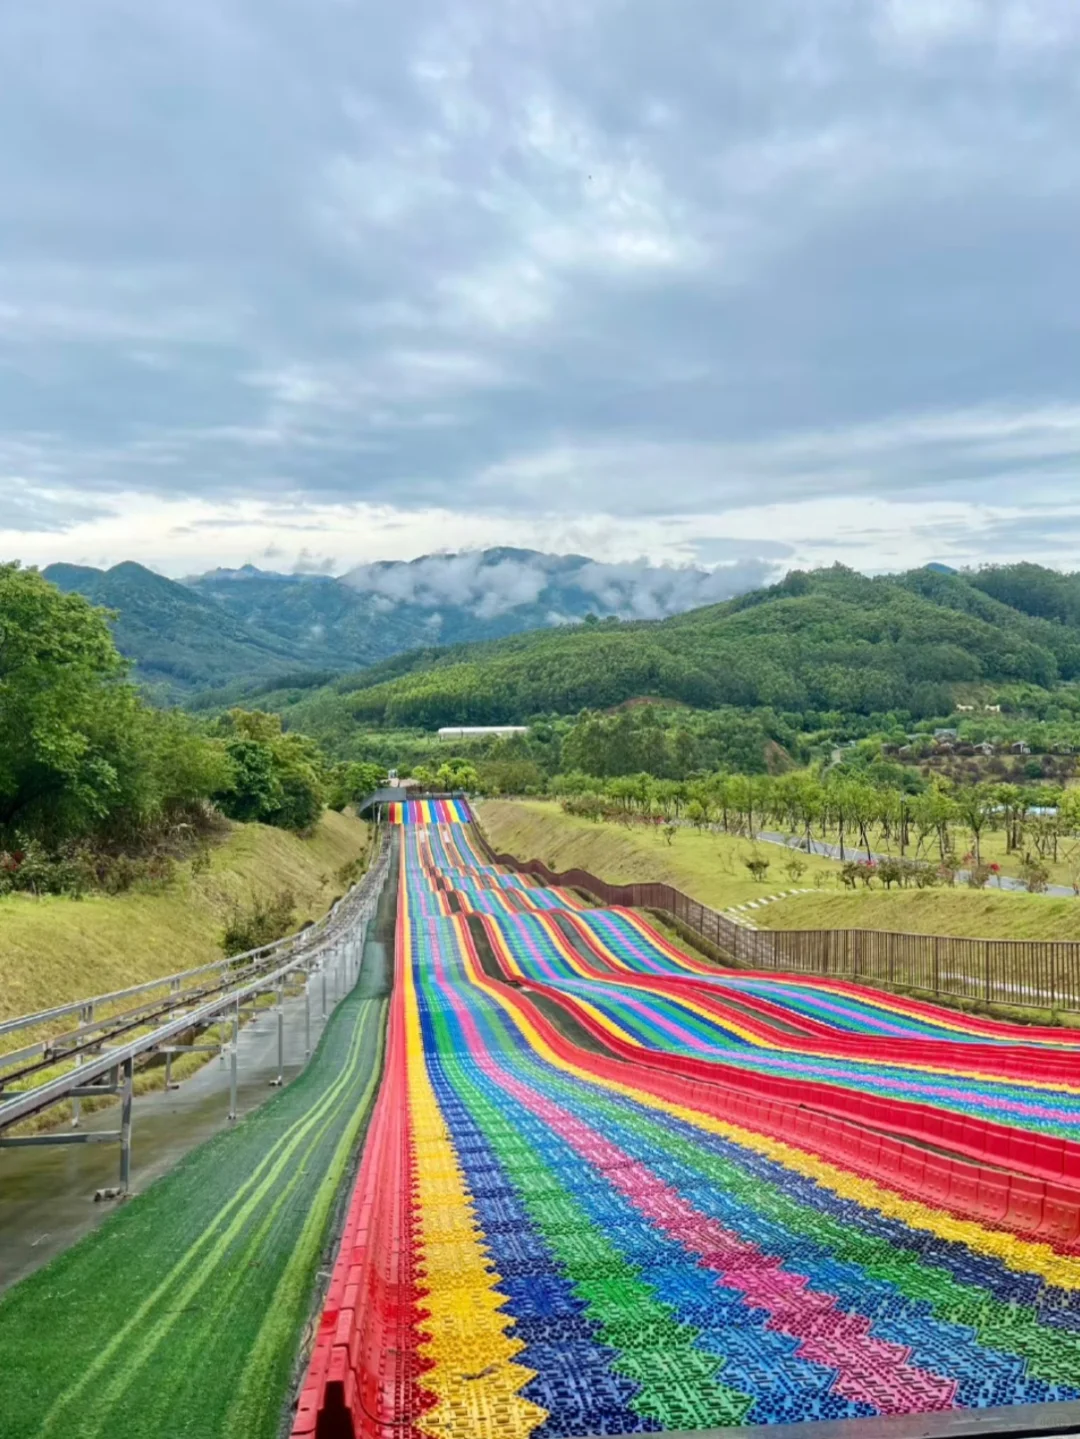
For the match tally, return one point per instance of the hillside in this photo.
(178, 640)
(711, 867)
(982, 914)
(819, 643)
(230, 630)
(54, 949)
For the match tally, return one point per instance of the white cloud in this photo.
(935, 22)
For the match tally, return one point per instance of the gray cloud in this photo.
(716, 549)
(307, 563)
(582, 256)
(31, 508)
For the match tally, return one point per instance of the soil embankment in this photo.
(55, 949)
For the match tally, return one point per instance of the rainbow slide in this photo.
(428, 811)
(611, 1189)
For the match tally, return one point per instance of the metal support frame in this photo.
(84, 1136)
(86, 1015)
(280, 1080)
(307, 1017)
(125, 1125)
(233, 1061)
(103, 1071)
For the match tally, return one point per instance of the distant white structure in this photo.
(481, 731)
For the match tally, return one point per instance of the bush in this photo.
(262, 922)
(890, 872)
(1035, 875)
(795, 868)
(758, 867)
(585, 806)
(859, 869)
(31, 870)
(275, 778)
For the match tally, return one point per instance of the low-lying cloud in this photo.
(489, 583)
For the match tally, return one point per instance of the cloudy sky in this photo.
(316, 282)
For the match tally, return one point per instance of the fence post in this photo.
(1052, 968)
(986, 969)
(125, 1126)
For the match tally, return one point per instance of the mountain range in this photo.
(248, 626)
(815, 646)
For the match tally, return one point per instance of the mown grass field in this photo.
(981, 914)
(54, 949)
(180, 1317)
(711, 867)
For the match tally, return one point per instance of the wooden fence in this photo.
(1043, 974)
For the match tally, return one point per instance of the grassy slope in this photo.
(985, 914)
(711, 867)
(55, 949)
(179, 1317)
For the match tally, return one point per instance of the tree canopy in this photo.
(81, 753)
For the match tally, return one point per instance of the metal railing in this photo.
(104, 1062)
(1044, 974)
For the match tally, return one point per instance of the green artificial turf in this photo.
(180, 1317)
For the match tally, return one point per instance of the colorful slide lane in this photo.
(545, 1240)
(428, 811)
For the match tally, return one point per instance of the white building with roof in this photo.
(481, 731)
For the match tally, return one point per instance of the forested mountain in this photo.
(245, 626)
(824, 642)
(179, 641)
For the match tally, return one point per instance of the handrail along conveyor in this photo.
(104, 1060)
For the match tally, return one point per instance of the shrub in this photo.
(1035, 875)
(32, 870)
(261, 922)
(758, 867)
(890, 872)
(585, 806)
(855, 870)
(795, 868)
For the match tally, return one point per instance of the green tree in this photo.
(82, 756)
(277, 778)
(57, 665)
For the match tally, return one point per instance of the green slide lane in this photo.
(180, 1317)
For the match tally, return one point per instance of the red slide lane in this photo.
(364, 1372)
